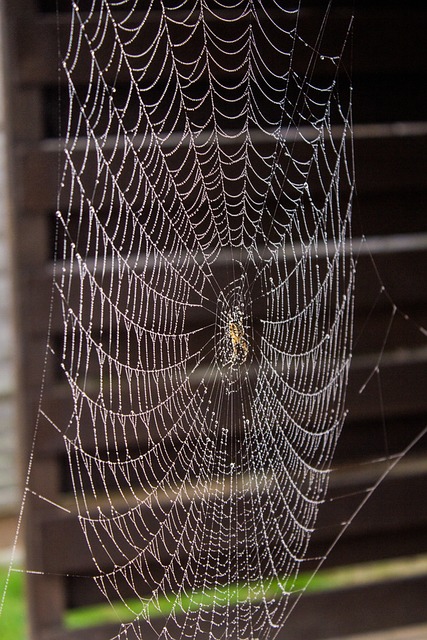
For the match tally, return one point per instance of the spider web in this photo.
(205, 276)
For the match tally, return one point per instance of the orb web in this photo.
(205, 276)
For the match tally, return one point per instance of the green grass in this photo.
(13, 624)
(220, 596)
(13, 618)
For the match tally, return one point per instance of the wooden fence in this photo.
(389, 69)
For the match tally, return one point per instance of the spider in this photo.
(238, 342)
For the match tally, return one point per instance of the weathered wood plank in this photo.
(395, 44)
(384, 160)
(396, 512)
(413, 632)
(318, 616)
(382, 606)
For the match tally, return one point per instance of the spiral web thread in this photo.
(205, 277)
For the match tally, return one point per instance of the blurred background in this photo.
(10, 493)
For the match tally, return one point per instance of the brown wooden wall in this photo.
(389, 70)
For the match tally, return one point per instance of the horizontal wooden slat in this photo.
(388, 262)
(384, 160)
(399, 211)
(381, 606)
(402, 393)
(378, 97)
(96, 633)
(398, 505)
(318, 616)
(401, 376)
(412, 632)
(382, 45)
